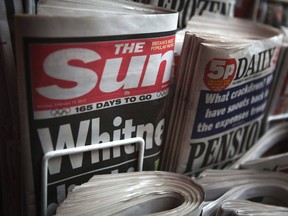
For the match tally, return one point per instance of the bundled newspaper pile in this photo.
(90, 72)
(222, 87)
(137, 193)
(268, 190)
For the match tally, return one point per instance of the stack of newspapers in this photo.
(94, 72)
(213, 192)
(221, 93)
(90, 72)
(137, 193)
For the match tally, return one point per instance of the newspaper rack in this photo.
(137, 140)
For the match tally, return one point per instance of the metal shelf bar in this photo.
(137, 140)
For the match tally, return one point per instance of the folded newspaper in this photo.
(217, 182)
(137, 193)
(222, 88)
(264, 190)
(189, 8)
(270, 152)
(90, 72)
(262, 187)
(246, 207)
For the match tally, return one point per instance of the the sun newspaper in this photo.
(222, 87)
(87, 80)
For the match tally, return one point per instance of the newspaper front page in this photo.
(221, 110)
(88, 80)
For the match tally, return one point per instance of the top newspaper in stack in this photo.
(88, 80)
(227, 67)
(189, 8)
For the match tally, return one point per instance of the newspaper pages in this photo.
(222, 186)
(263, 189)
(270, 152)
(87, 80)
(189, 8)
(10, 179)
(137, 193)
(279, 106)
(221, 92)
(217, 182)
(246, 207)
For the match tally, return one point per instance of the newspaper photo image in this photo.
(88, 74)
(222, 90)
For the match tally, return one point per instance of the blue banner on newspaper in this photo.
(220, 111)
